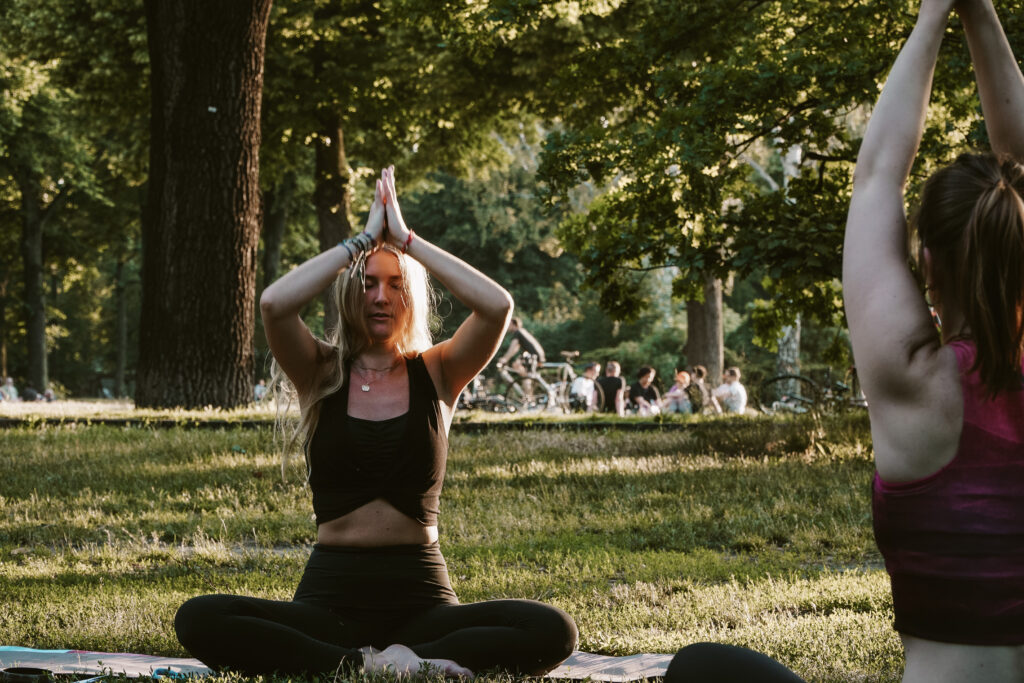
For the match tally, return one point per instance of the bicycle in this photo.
(529, 392)
(534, 393)
(563, 386)
(476, 397)
(793, 393)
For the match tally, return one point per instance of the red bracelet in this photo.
(408, 241)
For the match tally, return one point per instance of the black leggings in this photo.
(349, 598)
(721, 663)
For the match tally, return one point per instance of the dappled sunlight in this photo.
(125, 409)
(595, 466)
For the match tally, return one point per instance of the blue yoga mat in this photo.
(581, 665)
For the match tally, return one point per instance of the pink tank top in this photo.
(953, 542)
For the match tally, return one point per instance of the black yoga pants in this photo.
(255, 636)
(720, 663)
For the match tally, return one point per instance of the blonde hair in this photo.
(350, 338)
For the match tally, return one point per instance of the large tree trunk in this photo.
(34, 217)
(705, 338)
(332, 197)
(202, 210)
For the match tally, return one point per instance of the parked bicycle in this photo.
(476, 397)
(529, 392)
(547, 386)
(792, 393)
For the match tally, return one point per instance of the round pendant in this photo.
(365, 387)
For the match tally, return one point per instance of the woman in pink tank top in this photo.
(947, 410)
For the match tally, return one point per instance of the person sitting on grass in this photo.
(731, 394)
(946, 408)
(583, 394)
(643, 395)
(376, 405)
(9, 391)
(702, 402)
(675, 399)
(613, 387)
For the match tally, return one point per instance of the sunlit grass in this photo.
(751, 532)
(124, 409)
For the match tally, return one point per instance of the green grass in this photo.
(748, 531)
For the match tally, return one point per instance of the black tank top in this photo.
(345, 473)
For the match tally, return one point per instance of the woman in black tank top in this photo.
(376, 402)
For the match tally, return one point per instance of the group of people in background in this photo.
(688, 395)
(611, 393)
(9, 393)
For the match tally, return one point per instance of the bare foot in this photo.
(403, 662)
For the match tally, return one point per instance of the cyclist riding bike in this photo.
(524, 351)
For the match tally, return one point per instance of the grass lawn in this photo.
(748, 531)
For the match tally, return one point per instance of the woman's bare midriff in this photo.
(929, 661)
(378, 523)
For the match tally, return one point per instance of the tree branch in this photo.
(55, 206)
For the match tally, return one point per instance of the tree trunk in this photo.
(120, 327)
(202, 210)
(787, 362)
(705, 337)
(332, 197)
(275, 221)
(3, 323)
(33, 218)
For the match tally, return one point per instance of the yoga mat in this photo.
(579, 666)
(96, 663)
(582, 665)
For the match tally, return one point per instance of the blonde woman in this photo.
(377, 403)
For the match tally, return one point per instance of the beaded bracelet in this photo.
(351, 256)
(408, 241)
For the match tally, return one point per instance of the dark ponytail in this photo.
(972, 220)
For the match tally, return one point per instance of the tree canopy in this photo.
(694, 139)
(681, 110)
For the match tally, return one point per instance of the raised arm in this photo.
(462, 357)
(1000, 83)
(889, 321)
(293, 345)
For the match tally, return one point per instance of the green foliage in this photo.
(72, 123)
(674, 102)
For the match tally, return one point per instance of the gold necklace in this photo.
(365, 386)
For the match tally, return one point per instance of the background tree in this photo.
(94, 57)
(45, 155)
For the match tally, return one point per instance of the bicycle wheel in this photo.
(526, 395)
(563, 401)
(788, 394)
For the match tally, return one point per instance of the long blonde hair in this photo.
(350, 338)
